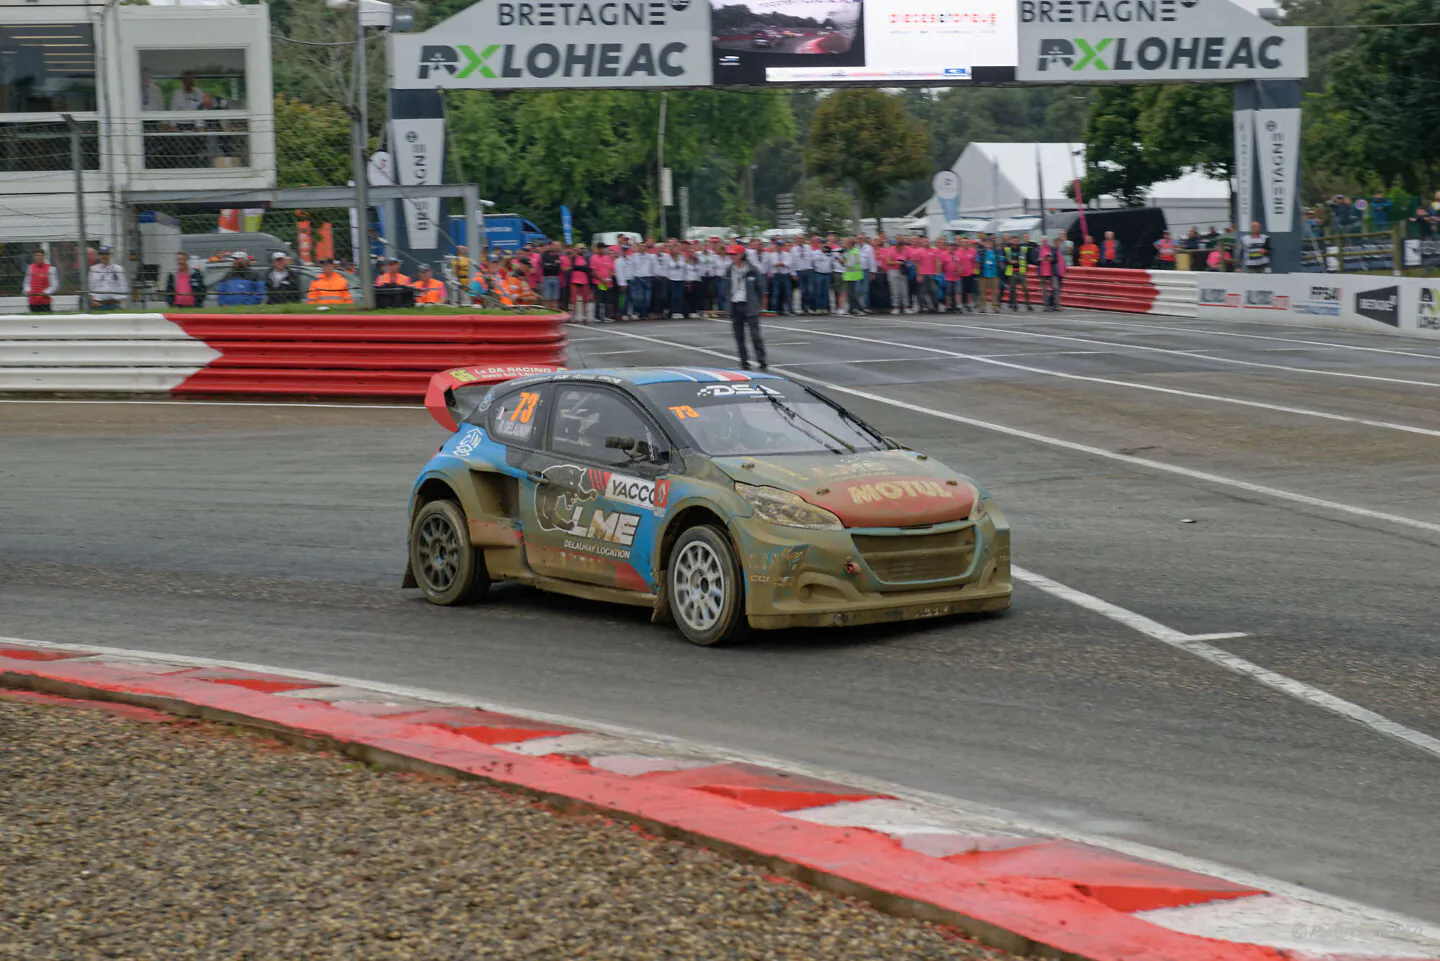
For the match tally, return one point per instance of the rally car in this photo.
(721, 500)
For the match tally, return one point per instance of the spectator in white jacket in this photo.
(107, 283)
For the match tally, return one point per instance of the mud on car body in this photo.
(721, 500)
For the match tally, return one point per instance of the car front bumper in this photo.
(802, 578)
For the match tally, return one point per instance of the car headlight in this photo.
(786, 509)
(979, 510)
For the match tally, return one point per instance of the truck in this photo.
(502, 232)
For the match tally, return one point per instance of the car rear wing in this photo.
(453, 394)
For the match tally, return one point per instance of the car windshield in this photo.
(761, 417)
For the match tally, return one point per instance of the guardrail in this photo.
(1168, 293)
(329, 355)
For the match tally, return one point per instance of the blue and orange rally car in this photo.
(720, 500)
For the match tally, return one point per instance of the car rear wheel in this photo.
(448, 569)
(707, 595)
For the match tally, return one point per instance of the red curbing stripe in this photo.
(31, 654)
(1125, 884)
(130, 711)
(1016, 913)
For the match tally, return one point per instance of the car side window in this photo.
(519, 416)
(585, 418)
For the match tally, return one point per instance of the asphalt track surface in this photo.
(1282, 483)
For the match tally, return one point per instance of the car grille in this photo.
(918, 557)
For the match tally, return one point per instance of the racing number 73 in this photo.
(526, 408)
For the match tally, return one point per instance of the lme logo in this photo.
(1162, 53)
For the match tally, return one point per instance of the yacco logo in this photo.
(510, 61)
(1161, 53)
(1382, 304)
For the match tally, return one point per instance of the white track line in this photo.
(1123, 345)
(1330, 508)
(981, 359)
(1002, 820)
(1231, 333)
(1195, 644)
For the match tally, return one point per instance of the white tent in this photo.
(1004, 179)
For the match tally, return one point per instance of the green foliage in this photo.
(867, 139)
(826, 208)
(312, 143)
(594, 150)
(1138, 136)
(1378, 120)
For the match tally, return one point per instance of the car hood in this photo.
(893, 488)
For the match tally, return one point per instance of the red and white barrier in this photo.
(330, 355)
(1166, 293)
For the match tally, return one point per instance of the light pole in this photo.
(368, 13)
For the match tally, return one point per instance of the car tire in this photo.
(706, 588)
(447, 567)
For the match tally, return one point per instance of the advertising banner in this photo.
(1244, 121)
(863, 41)
(1137, 41)
(540, 44)
(1277, 147)
(1349, 301)
(946, 184)
(418, 154)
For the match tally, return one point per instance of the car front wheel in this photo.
(706, 588)
(448, 569)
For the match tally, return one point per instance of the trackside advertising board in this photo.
(559, 44)
(1135, 41)
(580, 44)
(1409, 306)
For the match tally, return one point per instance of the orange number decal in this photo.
(526, 408)
(683, 411)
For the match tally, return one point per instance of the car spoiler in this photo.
(453, 394)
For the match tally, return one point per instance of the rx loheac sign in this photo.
(1131, 41)
(574, 44)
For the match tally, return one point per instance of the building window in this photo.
(192, 145)
(189, 80)
(36, 147)
(47, 69)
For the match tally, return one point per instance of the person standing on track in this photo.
(822, 262)
(969, 291)
(1165, 252)
(41, 282)
(1111, 253)
(1255, 250)
(925, 258)
(746, 290)
(1051, 265)
(895, 277)
(988, 263)
(550, 279)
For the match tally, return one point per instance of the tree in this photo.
(867, 139)
(1379, 118)
(312, 143)
(1117, 159)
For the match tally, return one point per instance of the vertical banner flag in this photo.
(566, 225)
(1244, 169)
(417, 148)
(946, 184)
(1277, 146)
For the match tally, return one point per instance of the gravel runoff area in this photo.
(181, 839)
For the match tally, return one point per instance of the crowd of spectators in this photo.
(797, 275)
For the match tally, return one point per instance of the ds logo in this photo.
(438, 58)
